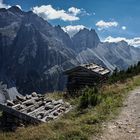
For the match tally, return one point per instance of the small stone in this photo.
(49, 118)
(104, 125)
(39, 117)
(47, 107)
(137, 94)
(59, 111)
(28, 97)
(28, 103)
(55, 114)
(15, 101)
(127, 120)
(132, 131)
(63, 108)
(48, 100)
(125, 105)
(20, 98)
(67, 105)
(10, 103)
(34, 94)
(21, 125)
(21, 106)
(40, 95)
(58, 102)
(119, 127)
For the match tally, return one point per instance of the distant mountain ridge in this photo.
(34, 54)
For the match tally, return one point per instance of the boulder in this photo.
(58, 102)
(47, 107)
(29, 102)
(28, 97)
(20, 98)
(67, 105)
(55, 114)
(34, 94)
(16, 101)
(10, 103)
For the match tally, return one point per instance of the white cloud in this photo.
(49, 13)
(2, 5)
(75, 11)
(134, 41)
(123, 27)
(104, 25)
(85, 13)
(71, 30)
(113, 39)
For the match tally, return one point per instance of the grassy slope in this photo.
(78, 124)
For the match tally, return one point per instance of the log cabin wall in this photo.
(81, 76)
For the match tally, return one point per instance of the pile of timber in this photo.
(35, 108)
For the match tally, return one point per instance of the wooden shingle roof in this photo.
(92, 67)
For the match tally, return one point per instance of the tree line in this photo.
(122, 75)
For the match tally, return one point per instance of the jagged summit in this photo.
(85, 39)
(15, 9)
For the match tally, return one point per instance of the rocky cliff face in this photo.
(33, 53)
(113, 55)
(85, 39)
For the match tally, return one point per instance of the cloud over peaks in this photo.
(72, 30)
(104, 25)
(2, 5)
(134, 41)
(49, 13)
(75, 11)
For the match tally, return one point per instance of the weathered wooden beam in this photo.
(19, 114)
(32, 109)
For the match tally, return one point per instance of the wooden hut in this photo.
(85, 75)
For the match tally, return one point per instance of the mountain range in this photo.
(34, 54)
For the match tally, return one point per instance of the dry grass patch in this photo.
(79, 124)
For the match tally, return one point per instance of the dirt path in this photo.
(127, 124)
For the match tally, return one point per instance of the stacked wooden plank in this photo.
(35, 108)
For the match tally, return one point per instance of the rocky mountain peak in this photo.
(15, 9)
(123, 43)
(85, 39)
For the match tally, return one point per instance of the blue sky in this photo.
(114, 18)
